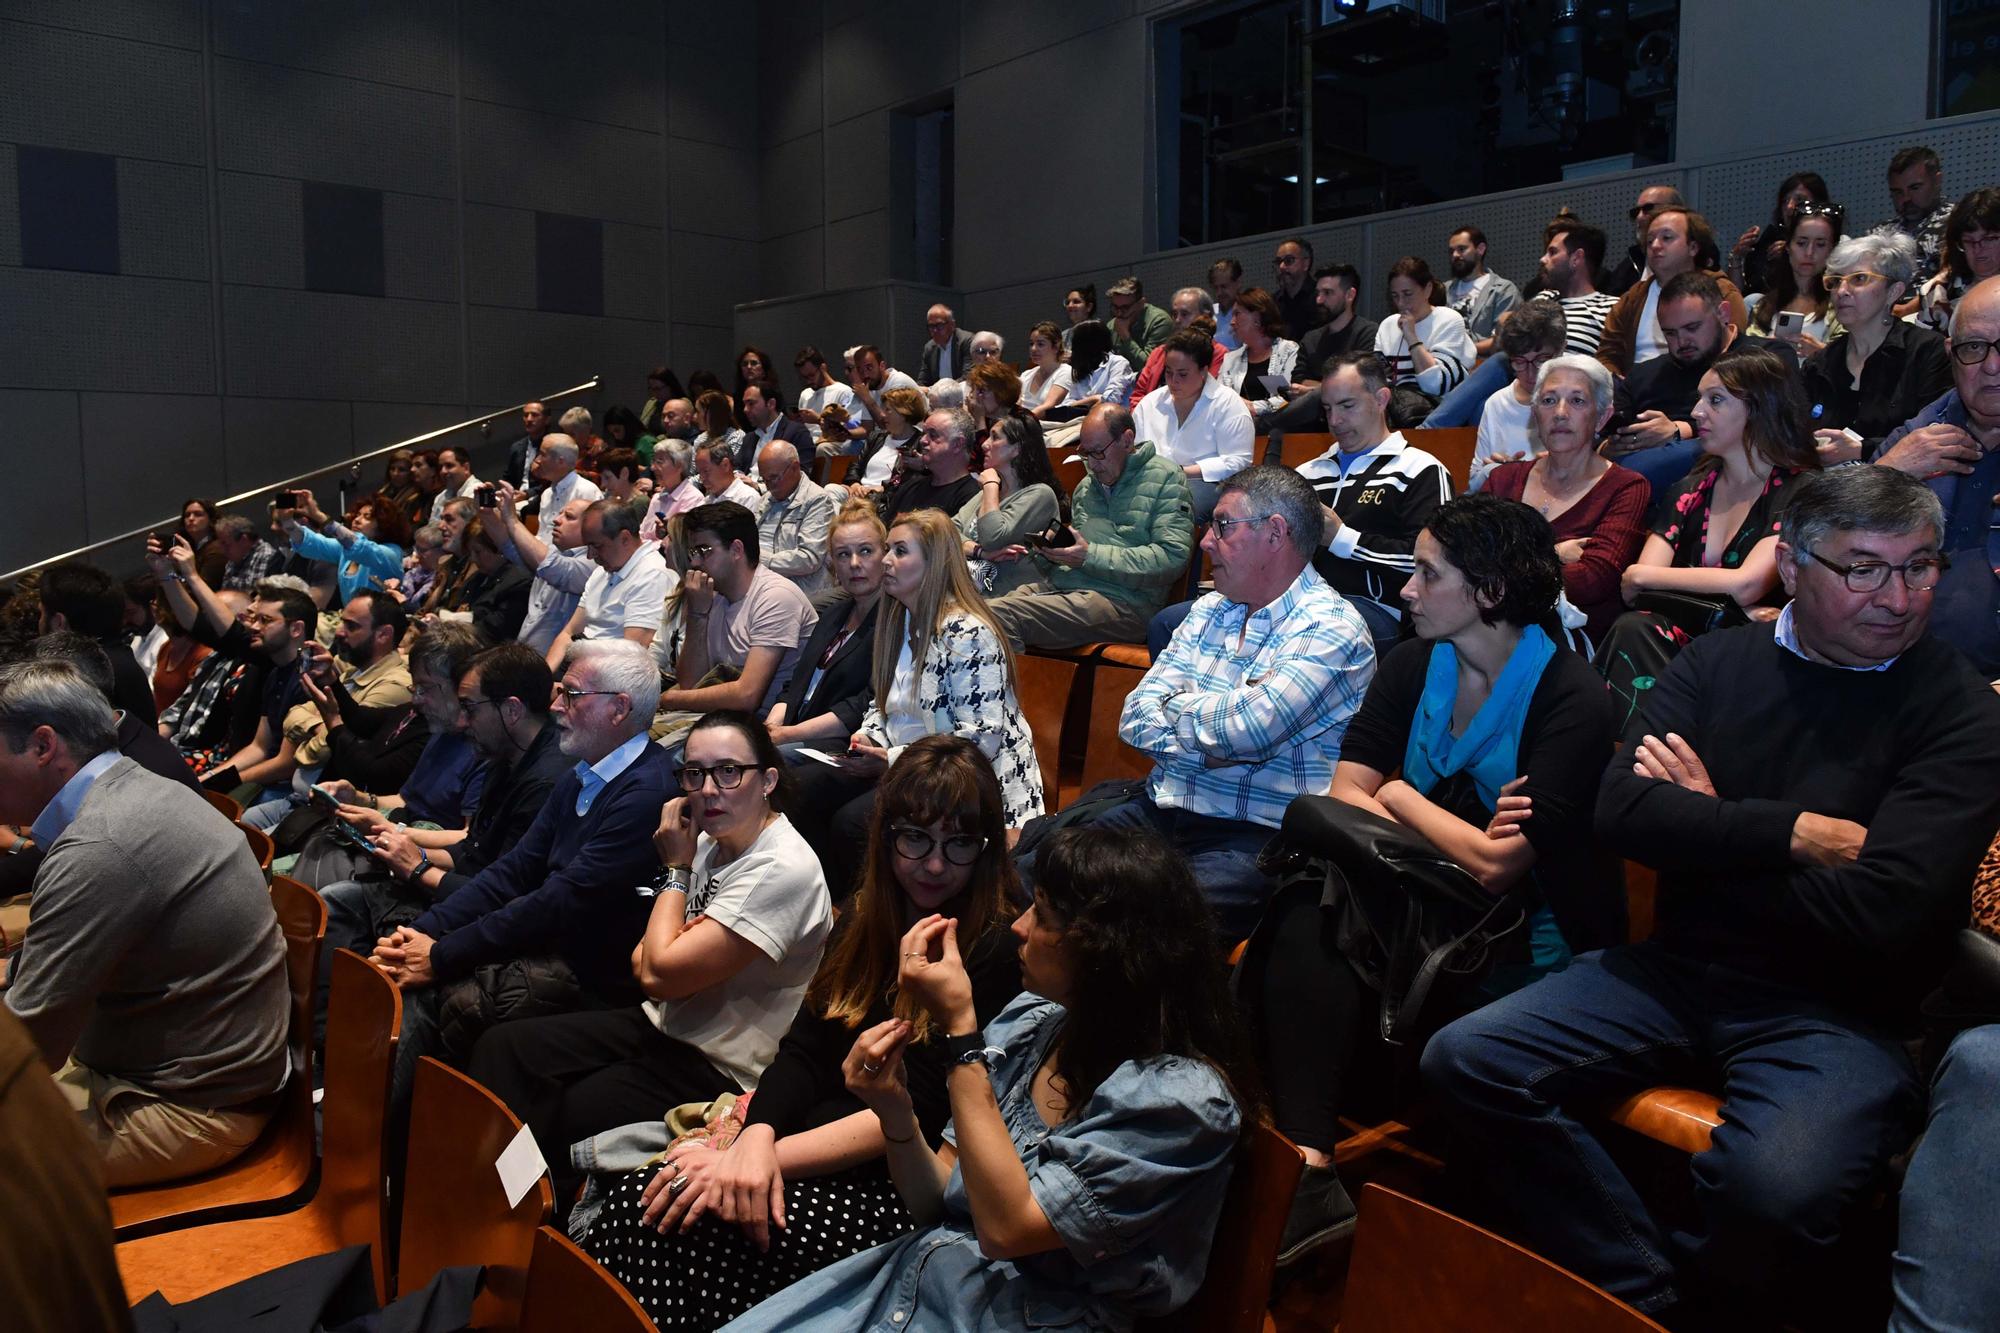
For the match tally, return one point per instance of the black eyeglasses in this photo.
(1919, 575)
(727, 776)
(1972, 351)
(1223, 525)
(571, 694)
(466, 707)
(915, 844)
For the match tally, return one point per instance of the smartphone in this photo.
(323, 801)
(488, 497)
(1789, 326)
(1060, 535)
(283, 500)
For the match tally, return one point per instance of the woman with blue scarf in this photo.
(1486, 738)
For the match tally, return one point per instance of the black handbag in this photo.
(1408, 916)
(1692, 613)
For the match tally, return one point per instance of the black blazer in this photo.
(849, 682)
(961, 357)
(791, 432)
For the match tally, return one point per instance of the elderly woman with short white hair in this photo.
(1595, 508)
(1882, 371)
(987, 346)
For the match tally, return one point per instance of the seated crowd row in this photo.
(606, 757)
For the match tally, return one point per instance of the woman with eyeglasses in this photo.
(740, 916)
(1533, 335)
(1020, 500)
(1880, 371)
(942, 667)
(1971, 255)
(1714, 545)
(805, 1183)
(1093, 1122)
(1798, 285)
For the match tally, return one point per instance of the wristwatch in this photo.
(969, 1049)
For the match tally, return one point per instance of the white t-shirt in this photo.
(905, 721)
(1503, 429)
(1647, 341)
(633, 598)
(815, 400)
(875, 472)
(772, 614)
(894, 379)
(774, 896)
(1035, 385)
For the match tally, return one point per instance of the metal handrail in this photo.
(342, 466)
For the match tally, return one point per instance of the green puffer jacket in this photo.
(1140, 531)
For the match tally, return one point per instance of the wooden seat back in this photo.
(455, 1209)
(228, 805)
(1683, 1118)
(570, 1291)
(837, 468)
(1451, 446)
(364, 1018)
(1236, 1289)
(261, 846)
(1417, 1269)
(1302, 447)
(1044, 684)
(276, 1170)
(1105, 755)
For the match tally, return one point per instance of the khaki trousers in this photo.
(144, 1138)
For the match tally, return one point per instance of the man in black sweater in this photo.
(1815, 794)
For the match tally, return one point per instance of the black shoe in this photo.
(1321, 1213)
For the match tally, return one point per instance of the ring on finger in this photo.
(867, 1068)
(674, 1190)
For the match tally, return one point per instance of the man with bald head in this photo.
(798, 515)
(1954, 446)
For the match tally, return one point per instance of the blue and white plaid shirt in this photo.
(1246, 709)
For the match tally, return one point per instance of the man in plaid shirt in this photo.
(1247, 706)
(251, 558)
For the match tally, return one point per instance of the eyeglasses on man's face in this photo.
(570, 694)
(1223, 526)
(1972, 351)
(1919, 575)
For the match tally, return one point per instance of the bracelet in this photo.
(423, 864)
(893, 1139)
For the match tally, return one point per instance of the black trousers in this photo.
(571, 1076)
(832, 811)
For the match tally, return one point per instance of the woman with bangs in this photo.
(804, 1183)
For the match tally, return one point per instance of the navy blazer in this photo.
(791, 432)
(574, 887)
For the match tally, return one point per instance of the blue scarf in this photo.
(1490, 748)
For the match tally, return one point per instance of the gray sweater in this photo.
(152, 953)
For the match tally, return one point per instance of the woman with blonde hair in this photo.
(942, 667)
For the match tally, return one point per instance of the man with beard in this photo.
(1652, 431)
(1480, 296)
(498, 709)
(550, 926)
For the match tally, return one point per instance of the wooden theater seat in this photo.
(1450, 445)
(278, 1169)
(228, 805)
(363, 1018)
(1044, 687)
(569, 1291)
(1682, 1118)
(261, 846)
(1418, 1269)
(1236, 1290)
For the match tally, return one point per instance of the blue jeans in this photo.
(267, 815)
(1814, 1104)
(1221, 852)
(1462, 406)
(1951, 1199)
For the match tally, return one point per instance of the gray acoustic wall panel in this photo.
(164, 22)
(45, 462)
(714, 189)
(402, 42)
(74, 90)
(144, 453)
(731, 28)
(355, 346)
(857, 166)
(419, 247)
(531, 159)
(500, 256)
(162, 219)
(896, 52)
(285, 122)
(263, 232)
(991, 35)
(711, 97)
(380, 424)
(633, 285)
(708, 278)
(10, 208)
(857, 249)
(528, 351)
(792, 192)
(85, 331)
(794, 263)
(704, 345)
(267, 440)
(563, 57)
(790, 104)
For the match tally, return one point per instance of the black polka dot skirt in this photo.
(697, 1281)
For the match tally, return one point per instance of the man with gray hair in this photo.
(797, 519)
(948, 350)
(1811, 878)
(251, 558)
(1954, 446)
(581, 426)
(555, 555)
(626, 595)
(555, 469)
(940, 476)
(551, 925)
(152, 975)
(1247, 706)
